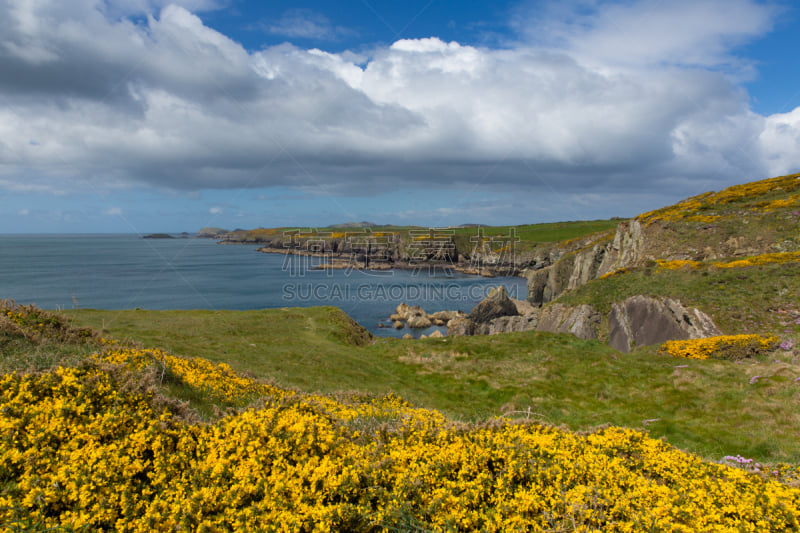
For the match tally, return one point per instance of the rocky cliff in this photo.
(754, 218)
(637, 321)
(624, 250)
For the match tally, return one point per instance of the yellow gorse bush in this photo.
(720, 347)
(77, 450)
(693, 208)
(32, 322)
(218, 381)
(763, 259)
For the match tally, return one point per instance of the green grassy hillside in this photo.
(109, 441)
(734, 254)
(708, 407)
(748, 299)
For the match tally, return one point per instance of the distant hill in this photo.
(212, 233)
(353, 225)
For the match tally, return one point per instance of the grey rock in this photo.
(579, 267)
(511, 324)
(446, 315)
(582, 321)
(459, 327)
(645, 320)
(524, 307)
(496, 304)
(418, 322)
(571, 271)
(402, 310)
(619, 329)
(627, 248)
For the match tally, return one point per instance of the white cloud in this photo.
(23, 212)
(113, 211)
(305, 24)
(215, 211)
(780, 142)
(648, 32)
(173, 103)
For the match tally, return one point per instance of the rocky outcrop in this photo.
(638, 321)
(496, 304)
(460, 326)
(626, 249)
(580, 267)
(524, 307)
(582, 321)
(497, 313)
(506, 324)
(415, 317)
(441, 318)
(419, 322)
(644, 320)
(573, 270)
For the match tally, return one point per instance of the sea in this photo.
(106, 271)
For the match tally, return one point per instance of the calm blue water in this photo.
(126, 272)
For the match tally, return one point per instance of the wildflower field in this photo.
(96, 446)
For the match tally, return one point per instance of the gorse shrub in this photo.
(36, 324)
(756, 260)
(77, 450)
(94, 448)
(731, 347)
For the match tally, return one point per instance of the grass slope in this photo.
(708, 407)
(754, 299)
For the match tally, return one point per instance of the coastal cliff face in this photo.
(626, 250)
(623, 250)
(354, 248)
(488, 251)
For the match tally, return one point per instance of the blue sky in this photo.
(145, 115)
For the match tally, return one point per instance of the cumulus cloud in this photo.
(168, 101)
(780, 142)
(647, 32)
(215, 211)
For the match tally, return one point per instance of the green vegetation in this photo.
(752, 299)
(100, 447)
(708, 407)
(756, 217)
(32, 340)
(527, 236)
